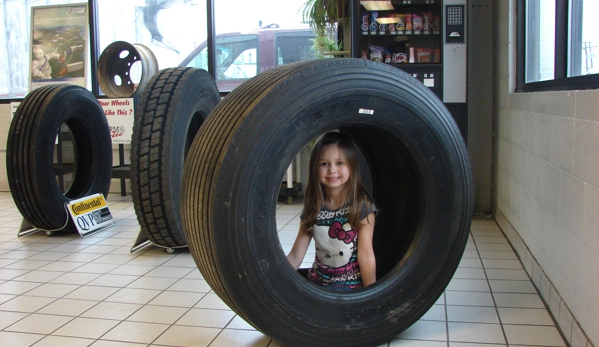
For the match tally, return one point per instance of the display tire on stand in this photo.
(170, 112)
(421, 180)
(30, 152)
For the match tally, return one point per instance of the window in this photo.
(242, 56)
(171, 29)
(294, 46)
(584, 38)
(15, 46)
(558, 42)
(540, 40)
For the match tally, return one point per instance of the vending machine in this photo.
(425, 38)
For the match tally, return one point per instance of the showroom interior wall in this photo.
(546, 186)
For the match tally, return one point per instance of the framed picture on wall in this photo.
(59, 45)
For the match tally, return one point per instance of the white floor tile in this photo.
(240, 338)
(9, 318)
(157, 314)
(206, 318)
(91, 328)
(68, 307)
(425, 330)
(15, 339)
(136, 332)
(39, 324)
(472, 314)
(111, 310)
(65, 290)
(188, 336)
(533, 335)
(475, 332)
(63, 341)
(525, 316)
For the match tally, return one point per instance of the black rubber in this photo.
(170, 112)
(30, 152)
(420, 177)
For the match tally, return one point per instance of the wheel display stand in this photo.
(121, 171)
(28, 229)
(293, 190)
(142, 242)
(85, 229)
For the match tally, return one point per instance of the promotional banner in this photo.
(119, 113)
(13, 108)
(59, 45)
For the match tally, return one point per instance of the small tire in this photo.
(170, 112)
(30, 152)
(421, 180)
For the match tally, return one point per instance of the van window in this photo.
(294, 46)
(241, 56)
(236, 57)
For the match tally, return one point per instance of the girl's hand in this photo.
(300, 247)
(366, 257)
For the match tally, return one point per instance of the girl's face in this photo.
(333, 169)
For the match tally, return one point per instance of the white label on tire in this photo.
(366, 111)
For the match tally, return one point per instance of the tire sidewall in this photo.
(195, 97)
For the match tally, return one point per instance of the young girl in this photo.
(339, 214)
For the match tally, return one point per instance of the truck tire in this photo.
(170, 112)
(30, 152)
(421, 180)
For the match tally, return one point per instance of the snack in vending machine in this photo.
(401, 22)
(373, 24)
(383, 29)
(376, 53)
(436, 55)
(411, 57)
(408, 21)
(399, 58)
(428, 21)
(436, 22)
(365, 18)
(423, 55)
(364, 54)
(387, 56)
(417, 22)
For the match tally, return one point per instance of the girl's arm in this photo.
(366, 257)
(300, 246)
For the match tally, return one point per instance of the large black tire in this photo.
(30, 151)
(169, 114)
(420, 176)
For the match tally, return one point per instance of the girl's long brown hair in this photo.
(356, 197)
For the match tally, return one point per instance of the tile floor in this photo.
(63, 290)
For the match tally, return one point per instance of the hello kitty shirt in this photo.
(336, 264)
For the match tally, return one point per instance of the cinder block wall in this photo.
(546, 186)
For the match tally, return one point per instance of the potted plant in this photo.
(323, 16)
